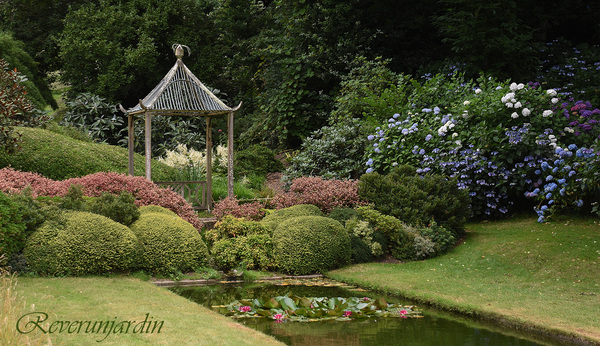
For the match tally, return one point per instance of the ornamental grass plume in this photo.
(12, 308)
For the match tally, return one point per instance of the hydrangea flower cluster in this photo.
(498, 140)
(563, 181)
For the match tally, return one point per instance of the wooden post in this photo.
(209, 163)
(148, 142)
(230, 155)
(130, 142)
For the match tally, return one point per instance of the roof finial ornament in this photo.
(178, 50)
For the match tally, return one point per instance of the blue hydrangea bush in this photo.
(502, 141)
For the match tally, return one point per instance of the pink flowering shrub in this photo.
(144, 191)
(325, 194)
(231, 206)
(12, 181)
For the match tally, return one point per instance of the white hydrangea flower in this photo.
(520, 86)
(569, 129)
(547, 113)
(508, 97)
(466, 103)
(509, 104)
(513, 86)
(525, 112)
(515, 115)
(554, 100)
(454, 135)
(551, 92)
(477, 91)
(518, 105)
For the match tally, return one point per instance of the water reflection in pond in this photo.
(434, 328)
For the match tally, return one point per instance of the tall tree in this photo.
(120, 50)
(302, 57)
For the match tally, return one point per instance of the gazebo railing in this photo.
(193, 191)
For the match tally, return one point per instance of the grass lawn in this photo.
(128, 299)
(543, 277)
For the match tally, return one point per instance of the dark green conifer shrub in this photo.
(417, 200)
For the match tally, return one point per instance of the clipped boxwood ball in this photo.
(82, 243)
(169, 243)
(148, 209)
(311, 244)
(275, 217)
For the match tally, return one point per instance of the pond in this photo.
(433, 328)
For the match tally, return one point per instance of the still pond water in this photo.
(434, 328)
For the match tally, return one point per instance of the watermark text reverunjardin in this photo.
(33, 321)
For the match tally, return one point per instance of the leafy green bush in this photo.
(58, 157)
(12, 228)
(332, 152)
(256, 159)
(363, 235)
(417, 200)
(442, 237)
(310, 244)
(275, 217)
(253, 251)
(169, 244)
(231, 227)
(95, 116)
(82, 243)
(237, 241)
(121, 208)
(342, 214)
(399, 237)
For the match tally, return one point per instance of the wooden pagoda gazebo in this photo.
(180, 93)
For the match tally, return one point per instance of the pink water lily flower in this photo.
(278, 318)
(245, 308)
(403, 313)
(347, 313)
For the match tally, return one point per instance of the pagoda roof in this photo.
(180, 92)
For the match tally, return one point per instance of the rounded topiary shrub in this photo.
(169, 243)
(275, 217)
(149, 209)
(311, 244)
(81, 243)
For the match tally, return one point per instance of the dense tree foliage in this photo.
(286, 60)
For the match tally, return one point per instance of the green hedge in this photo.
(254, 251)
(311, 244)
(59, 157)
(81, 243)
(169, 243)
(12, 229)
(417, 200)
(276, 217)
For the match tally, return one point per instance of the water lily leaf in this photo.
(304, 302)
(257, 303)
(246, 302)
(381, 303)
(361, 306)
(287, 303)
(264, 313)
(332, 303)
(335, 313)
(272, 304)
